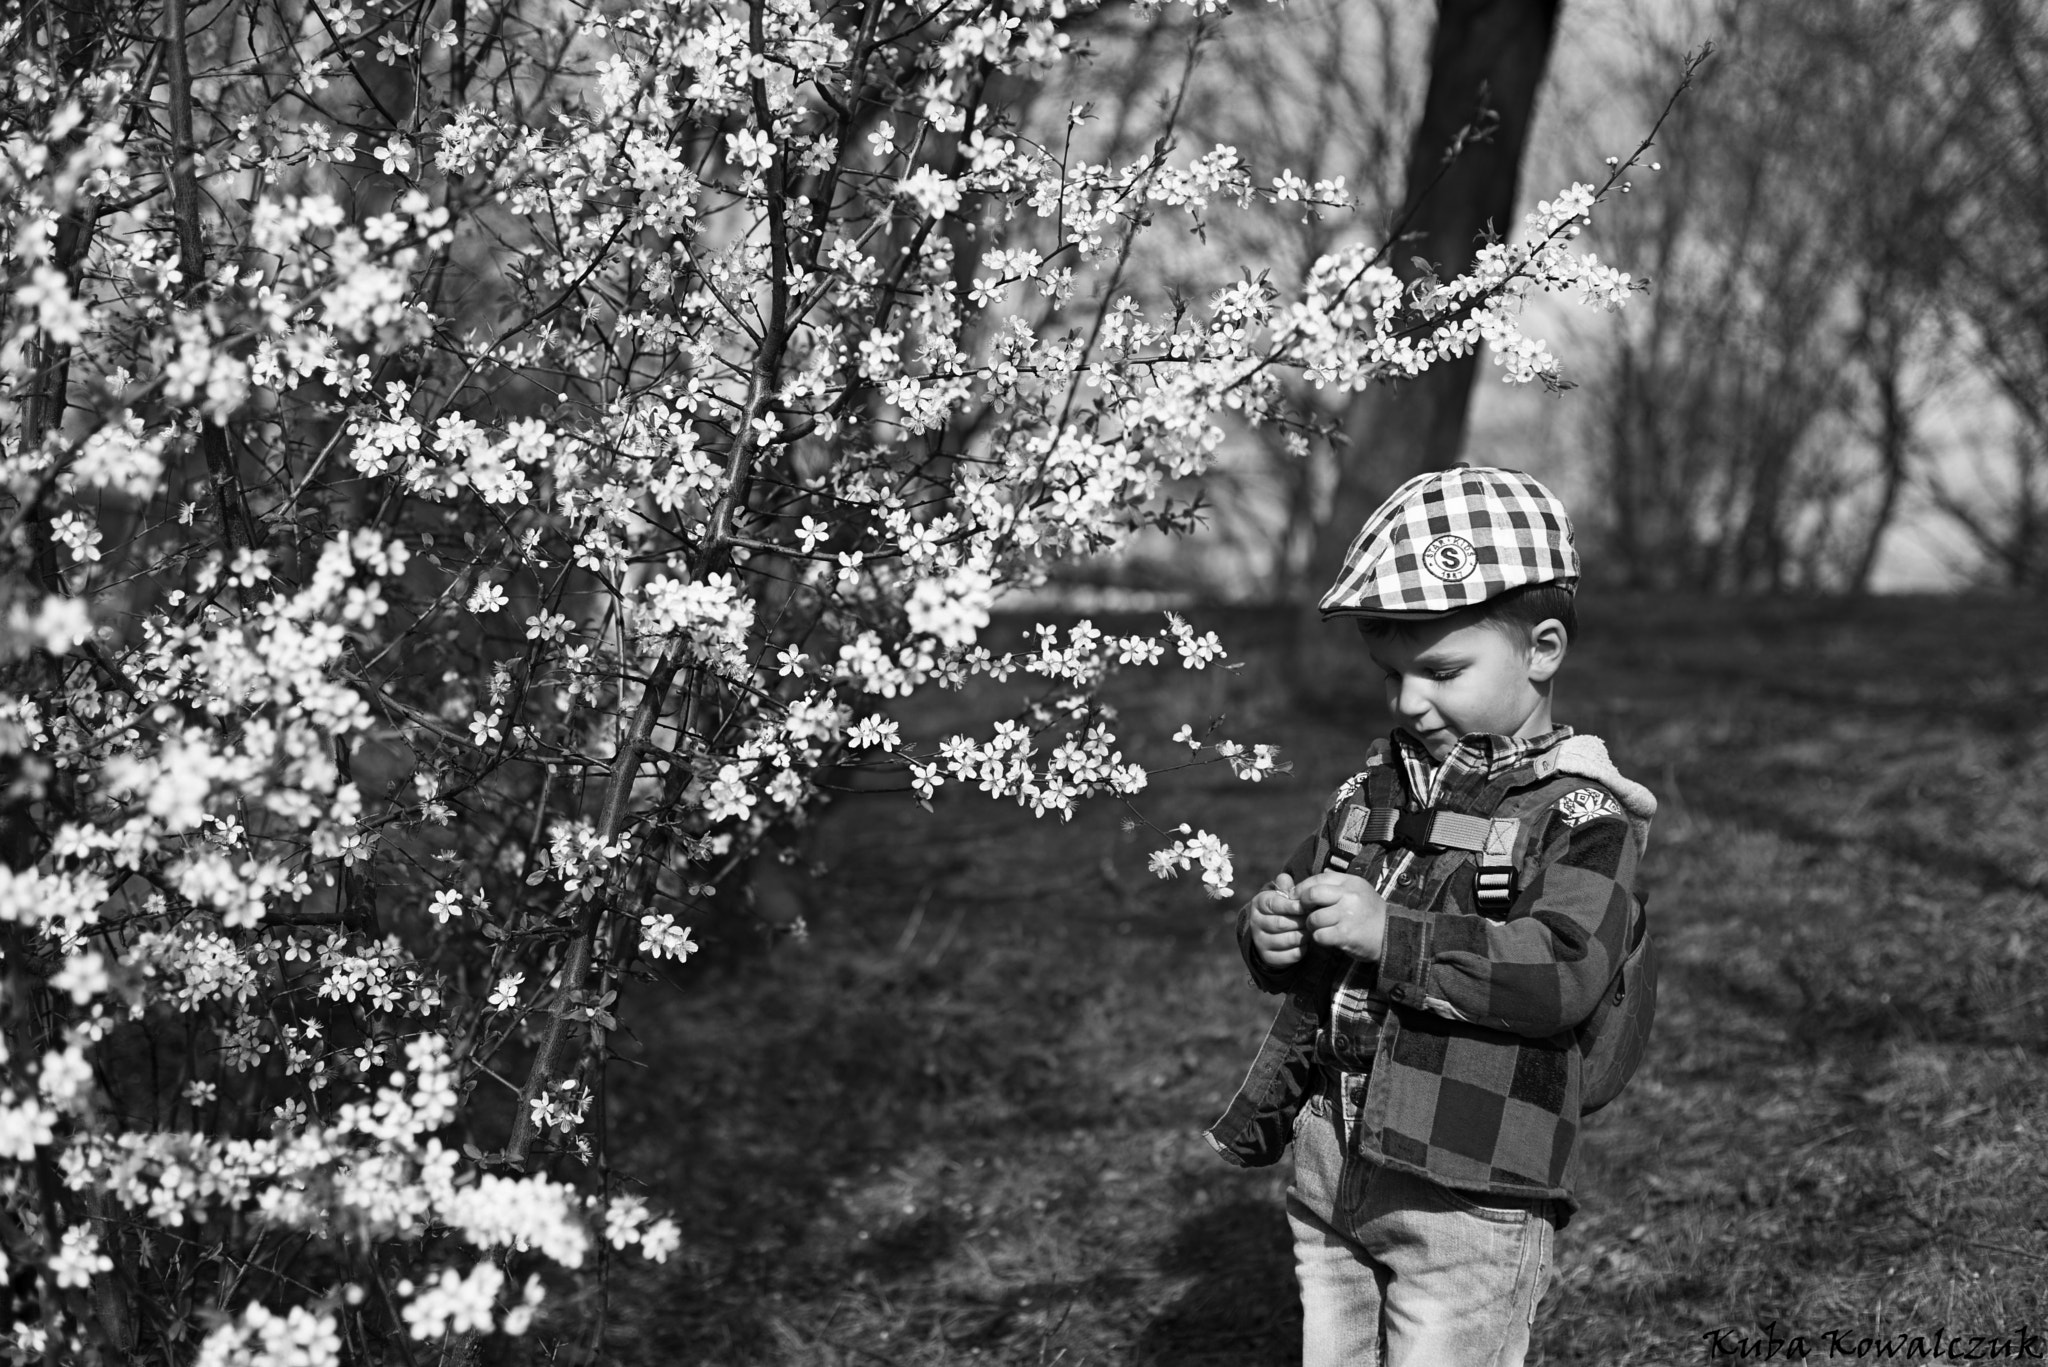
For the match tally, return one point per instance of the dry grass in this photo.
(960, 1124)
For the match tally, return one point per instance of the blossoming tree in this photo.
(468, 475)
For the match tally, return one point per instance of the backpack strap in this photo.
(1494, 885)
(1429, 828)
(1360, 821)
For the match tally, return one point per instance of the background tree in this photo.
(1838, 240)
(1486, 63)
(1715, 433)
(1994, 57)
(1332, 92)
(1421, 121)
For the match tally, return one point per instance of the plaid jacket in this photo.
(1475, 1070)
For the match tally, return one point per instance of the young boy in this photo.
(1441, 940)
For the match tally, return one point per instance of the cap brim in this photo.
(1390, 615)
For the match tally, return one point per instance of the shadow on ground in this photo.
(1239, 1307)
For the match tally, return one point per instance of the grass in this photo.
(959, 1122)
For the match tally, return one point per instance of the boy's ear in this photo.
(1548, 641)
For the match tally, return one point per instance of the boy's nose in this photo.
(1411, 700)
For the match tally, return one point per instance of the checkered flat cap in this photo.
(1452, 539)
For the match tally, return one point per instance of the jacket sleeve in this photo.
(1541, 970)
(1299, 865)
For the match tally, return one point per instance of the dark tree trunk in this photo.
(1486, 62)
(1894, 443)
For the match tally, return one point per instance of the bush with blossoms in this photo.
(473, 478)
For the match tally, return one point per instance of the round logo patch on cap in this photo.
(1449, 558)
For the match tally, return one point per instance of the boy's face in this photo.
(1446, 680)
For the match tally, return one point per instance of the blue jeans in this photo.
(1396, 1271)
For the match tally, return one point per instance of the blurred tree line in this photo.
(1850, 232)
(1847, 330)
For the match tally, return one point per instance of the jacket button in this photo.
(1406, 879)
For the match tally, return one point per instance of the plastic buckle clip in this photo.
(1414, 829)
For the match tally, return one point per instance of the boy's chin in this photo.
(1439, 744)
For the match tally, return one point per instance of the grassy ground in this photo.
(960, 1122)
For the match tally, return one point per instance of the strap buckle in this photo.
(1428, 828)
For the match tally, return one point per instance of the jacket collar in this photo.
(1476, 774)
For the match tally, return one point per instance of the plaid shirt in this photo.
(1474, 1060)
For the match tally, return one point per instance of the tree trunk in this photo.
(1488, 55)
(1486, 61)
(1894, 442)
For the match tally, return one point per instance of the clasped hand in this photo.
(1335, 910)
